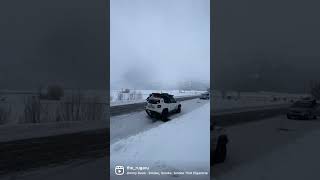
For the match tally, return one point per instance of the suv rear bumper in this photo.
(153, 111)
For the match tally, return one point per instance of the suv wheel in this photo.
(179, 109)
(164, 115)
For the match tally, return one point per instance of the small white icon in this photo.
(119, 170)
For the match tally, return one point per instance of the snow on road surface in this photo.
(273, 148)
(178, 145)
(133, 123)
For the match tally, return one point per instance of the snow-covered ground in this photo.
(135, 96)
(129, 124)
(274, 148)
(119, 127)
(21, 107)
(295, 161)
(182, 144)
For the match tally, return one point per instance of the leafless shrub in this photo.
(139, 96)
(5, 113)
(315, 90)
(79, 108)
(70, 109)
(132, 95)
(120, 96)
(32, 110)
(93, 109)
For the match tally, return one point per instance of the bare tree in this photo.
(81, 108)
(32, 110)
(315, 90)
(5, 113)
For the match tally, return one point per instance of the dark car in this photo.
(205, 95)
(304, 109)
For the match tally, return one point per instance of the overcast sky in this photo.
(266, 45)
(53, 41)
(159, 41)
(259, 45)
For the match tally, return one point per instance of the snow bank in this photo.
(180, 144)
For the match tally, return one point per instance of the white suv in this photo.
(161, 105)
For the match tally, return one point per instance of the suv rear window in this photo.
(172, 100)
(153, 101)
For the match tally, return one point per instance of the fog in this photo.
(53, 42)
(159, 43)
(265, 45)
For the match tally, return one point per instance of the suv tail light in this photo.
(159, 106)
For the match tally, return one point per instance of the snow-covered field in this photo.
(29, 117)
(231, 100)
(135, 96)
(119, 124)
(27, 108)
(182, 144)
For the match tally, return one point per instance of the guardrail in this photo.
(21, 155)
(128, 108)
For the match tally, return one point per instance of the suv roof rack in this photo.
(160, 95)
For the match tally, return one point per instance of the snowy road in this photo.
(250, 143)
(142, 123)
(129, 124)
(179, 145)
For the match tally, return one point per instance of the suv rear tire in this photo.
(164, 115)
(179, 109)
